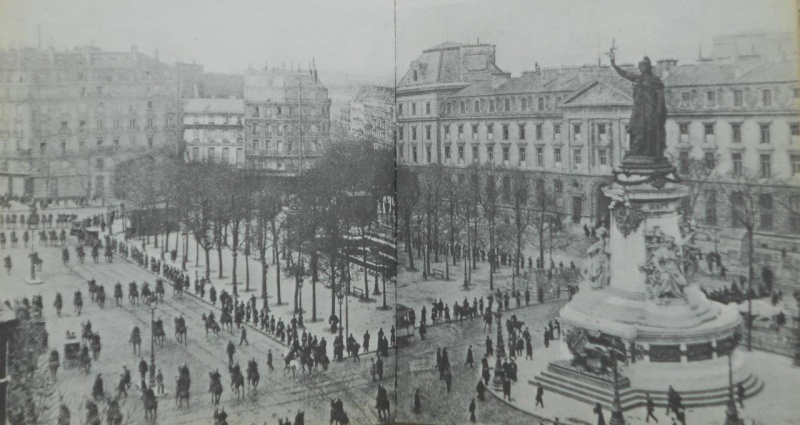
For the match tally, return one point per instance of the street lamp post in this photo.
(340, 296)
(616, 406)
(731, 414)
(499, 373)
(152, 340)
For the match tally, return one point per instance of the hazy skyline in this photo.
(556, 33)
(357, 37)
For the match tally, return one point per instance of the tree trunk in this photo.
(233, 273)
(208, 262)
(247, 257)
(409, 248)
(750, 288)
(333, 285)
(314, 279)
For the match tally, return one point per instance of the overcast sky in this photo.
(358, 36)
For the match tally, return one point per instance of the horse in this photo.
(237, 382)
(3, 240)
(150, 405)
(63, 415)
(81, 253)
(182, 387)
(212, 324)
(86, 332)
(177, 290)
(96, 346)
(118, 293)
(225, 319)
(58, 304)
(215, 387)
(53, 237)
(109, 254)
(101, 296)
(92, 289)
(252, 374)
(382, 404)
(291, 364)
(180, 330)
(92, 415)
(7, 264)
(113, 414)
(158, 332)
(338, 414)
(160, 290)
(136, 340)
(146, 292)
(42, 238)
(95, 253)
(84, 361)
(65, 256)
(62, 237)
(77, 302)
(53, 363)
(133, 293)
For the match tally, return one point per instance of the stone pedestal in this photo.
(677, 338)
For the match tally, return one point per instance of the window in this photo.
(765, 208)
(506, 155)
(506, 105)
(402, 152)
(43, 147)
(100, 142)
(399, 109)
(683, 128)
(540, 104)
(63, 146)
(150, 141)
(446, 132)
(797, 93)
(413, 132)
(415, 75)
(601, 131)
(100, 124)
(766, 97)
(737, 205)
(557, 131)
(711, 208)
(576, 131)
(427, 132)
(709, 132)
(99, 164)
(576, 157)
(737, 133)
(505, 131)
(685, 96)
(602, 153)
(540, 157)
(710, 160)
(521, 131)
(557, 156)
(83, 124)
(427, 108)
(490, 153)
(795, 160)
(491, 106)
(737, 98)
(683, 162)
(523, 155)
(414, 154)
(149, 123)
(794, 131)
(764, 133)
(736, 159)
(131, 123)
(475, 154)
(255, 145)
(400, 133)
(63, 125)
(476, 106)
(428, 153)
(196, 152)
(766, 166)
(449, 107)
(447, 152)
(711, 97)
(462, 107)
(413, 108)
(474, 131)
(539, 132)
(461, 153)
(225, 153)
(490, 131)
(461, 132)
(524, 104)
(794, 213)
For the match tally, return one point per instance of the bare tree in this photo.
(490, 205)
(408, 192)
(522, 214)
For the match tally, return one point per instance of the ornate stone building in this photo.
(287, 119)
(567, 128)
(371, 114)
(67, 117)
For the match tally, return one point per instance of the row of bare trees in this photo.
(479, 208)
(304, 219)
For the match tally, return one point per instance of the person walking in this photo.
(651, 407)
(417, 402)
(481, 390)
(231, 350)
(159, 382)
(741, 394)
(269, 361)
(539, 395)
(122, 388)
(506, 389)
(448, 379)
(470, 359)
(366, 341)
(472, 411)
(142, 368)
(243, 338)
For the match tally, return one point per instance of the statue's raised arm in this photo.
(624, 74)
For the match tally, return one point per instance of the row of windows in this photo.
(132, 124)
(765, 134)
(522, 155)
(738, 97)
(280, 129)
(505, 130)
(278, 111)
(765, 214)
(234, 119)
(281, 146)
(100, 142)
(224, 154)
